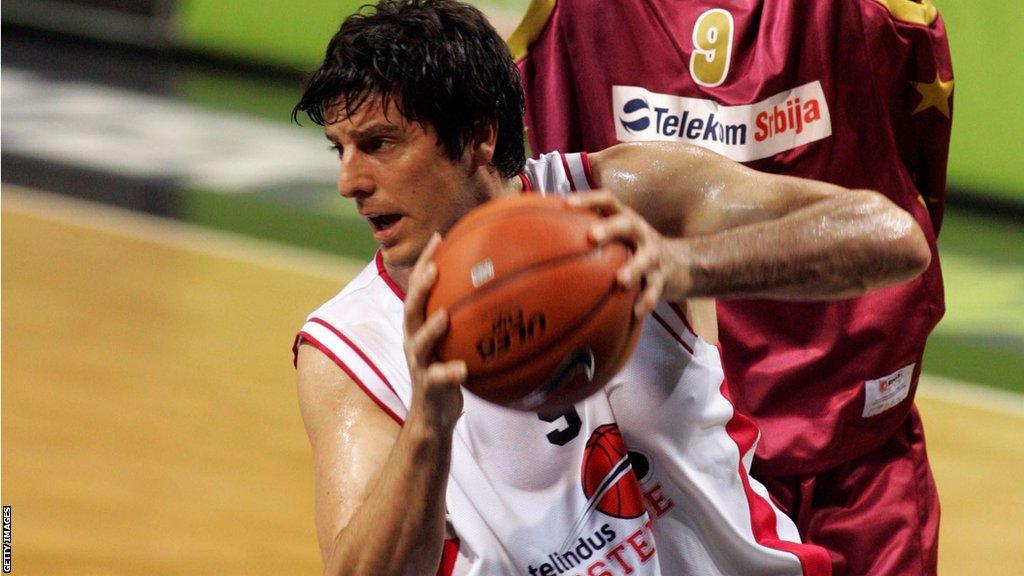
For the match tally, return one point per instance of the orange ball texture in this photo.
(535, 309)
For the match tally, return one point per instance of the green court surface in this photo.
(981, 338)
(987, 147)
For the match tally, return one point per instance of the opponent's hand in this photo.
(656, 261)
(436, 385)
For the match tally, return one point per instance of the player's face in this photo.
(400, 179)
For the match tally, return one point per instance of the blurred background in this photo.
(166, 229)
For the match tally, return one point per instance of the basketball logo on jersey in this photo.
(607, 475)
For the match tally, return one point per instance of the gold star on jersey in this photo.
(934, 95)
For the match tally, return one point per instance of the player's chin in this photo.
(400, 255)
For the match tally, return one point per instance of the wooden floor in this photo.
(150, 424)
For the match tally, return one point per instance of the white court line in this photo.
(176, 234)
(1005, 402)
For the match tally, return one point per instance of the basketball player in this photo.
(858, 93)
(423, 104)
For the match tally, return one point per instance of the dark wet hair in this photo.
(441, 63)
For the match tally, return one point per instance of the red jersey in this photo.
(857, 93)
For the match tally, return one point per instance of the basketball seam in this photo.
(477, 222)
(500, 282)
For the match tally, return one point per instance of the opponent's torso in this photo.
(790, 87)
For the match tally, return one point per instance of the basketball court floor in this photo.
(150, 424)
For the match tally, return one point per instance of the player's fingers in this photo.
(423, 341)
(654, 284)
(421, 280)
(416, 298)
(446, 374)
(645, 260)
(441, 388)
(600, 201)
(624, 227)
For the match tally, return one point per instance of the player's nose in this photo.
(354, 178)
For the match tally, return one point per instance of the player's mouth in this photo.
(384, 226)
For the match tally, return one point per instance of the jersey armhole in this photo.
(354, 362)
(585, 158)
(577, 170)
(303, 337)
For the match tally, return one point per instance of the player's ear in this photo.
(485, 139)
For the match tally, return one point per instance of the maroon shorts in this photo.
(877, 514)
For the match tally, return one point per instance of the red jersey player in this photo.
(858, 93)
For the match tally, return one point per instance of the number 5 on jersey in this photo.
(712, 47)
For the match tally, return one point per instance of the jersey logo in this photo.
(636, 115)
(611, 487)
(883, 393)
(607, 475)
(743, 133)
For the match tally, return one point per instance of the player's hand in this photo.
(654, 264)
(437, 386)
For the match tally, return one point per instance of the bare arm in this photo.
(721, 229)
(380, 488)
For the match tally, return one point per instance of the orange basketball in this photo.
(535, 309)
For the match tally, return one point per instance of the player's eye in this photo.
(374, 145)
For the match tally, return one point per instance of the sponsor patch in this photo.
(743, 133)
(883, 393)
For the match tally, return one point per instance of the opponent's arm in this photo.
(713, 227)
(380, 488)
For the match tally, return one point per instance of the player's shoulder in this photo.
(558, 173)
(369, 298)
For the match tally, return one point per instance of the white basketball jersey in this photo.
(560, 496)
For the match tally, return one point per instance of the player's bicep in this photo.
(685, 190)
(351, 438)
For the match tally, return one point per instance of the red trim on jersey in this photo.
(295, 349)
(672, 332)
(568, 172)
(358, 351)
(682, 316)
(814, 560)
(527, 186)
(449, 554)
(379, 259)
(587, 171)
(351, 374)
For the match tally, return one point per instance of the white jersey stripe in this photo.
(682, 318)
(673, 332)
(357, 350)
(578, 174)
(765, 518)
(669, 317)
(306, 337)
(568, 171)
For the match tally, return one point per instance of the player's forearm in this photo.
(400, 527)
(841, 246)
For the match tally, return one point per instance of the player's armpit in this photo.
(351, 438)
